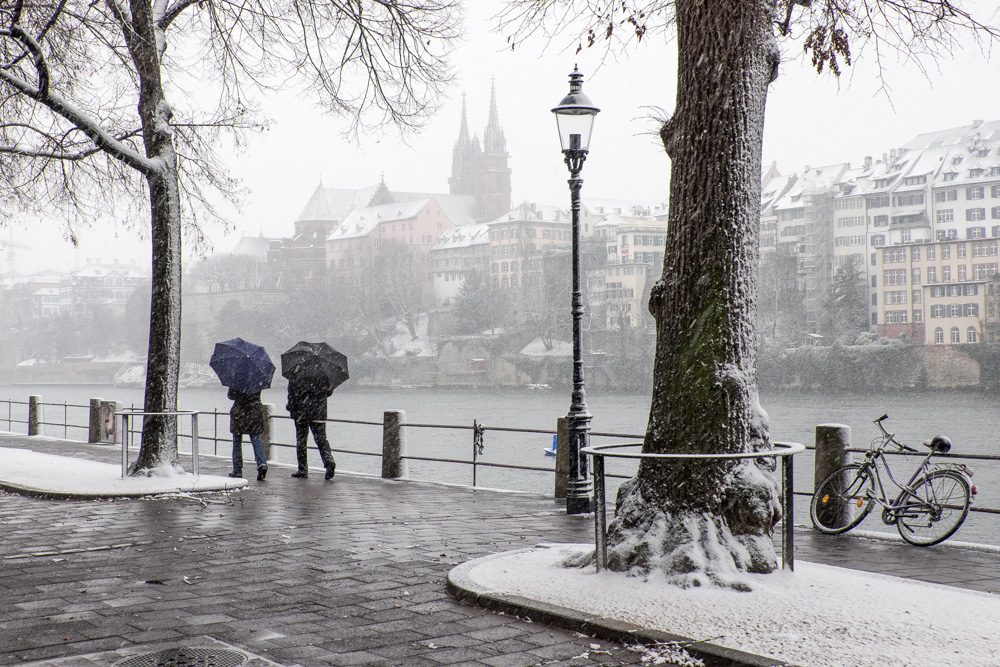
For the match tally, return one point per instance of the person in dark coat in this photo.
(307, 408)
(247, 416)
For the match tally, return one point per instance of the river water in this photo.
(968, 418)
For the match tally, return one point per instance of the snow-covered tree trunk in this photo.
(146, 43)
(706, 521)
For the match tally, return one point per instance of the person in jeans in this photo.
(307, 408)
(247, 416)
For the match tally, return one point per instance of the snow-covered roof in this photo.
(336, 203)
(463, 237)
(252, 246)
(105, 270)
(625, 207)
(533, 213)
(362, 221)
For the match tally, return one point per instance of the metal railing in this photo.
(784, 450)
(129, 434)
(11, 419)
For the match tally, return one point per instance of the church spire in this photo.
(493, 139)
(463, 132)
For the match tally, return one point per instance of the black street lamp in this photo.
(575, 120)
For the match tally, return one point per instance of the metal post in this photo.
(788, 532)
(194, 443)
(578, 499)
(34, 415)
(600, 516)
(126, 436)
(268, 429)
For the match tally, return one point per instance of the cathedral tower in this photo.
(482, 171)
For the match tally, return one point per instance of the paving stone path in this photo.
(308, 572)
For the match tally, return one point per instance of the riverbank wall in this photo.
(473, 364)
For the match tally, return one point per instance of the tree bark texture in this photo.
(708, 521)
(159, 433)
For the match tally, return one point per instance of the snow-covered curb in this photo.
(34, 473)
(820, 616)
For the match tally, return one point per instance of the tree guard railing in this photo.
(128, 435)
(783, 450)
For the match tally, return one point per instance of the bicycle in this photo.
(928, 509)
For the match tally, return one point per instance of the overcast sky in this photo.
(811, 120)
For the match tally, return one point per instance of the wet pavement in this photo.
(308, 572)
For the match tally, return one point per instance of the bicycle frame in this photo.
(907, 499)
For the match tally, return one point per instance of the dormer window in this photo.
(950, 176)
(975, 173)
(914, 180)
(957, 159)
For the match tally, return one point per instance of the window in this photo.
(962, 273)
(915, 276)
(950, 175)
(931, 274)
(896, 316)
(916, 296)
(918, 316)
(905, 236)
(914, 180)
(946, 252)
(895, 297)
(970, 336)
(946, 215)
(946, 195)
(984, 271)
(915, 254)
(946, 274)
(937, 311)
(939, 336)
(995, 214)
(956, 335)
(960, 250)
(911, 199)
(972, 214)
(955, 310)
(874, 281)
(894, 277)
(931, 253)
(984, 249)
(880, 221)
(893, 255)
(974, 193)
(995, 190)
(970, 290)
(875, 299)
(878, 240)
(879, 201)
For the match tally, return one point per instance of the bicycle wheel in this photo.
(842, 500)
(936, 509)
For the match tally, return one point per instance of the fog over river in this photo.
(969, 418)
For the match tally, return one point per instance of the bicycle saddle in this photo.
(939, 444)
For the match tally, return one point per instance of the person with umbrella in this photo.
(246, 369)
(247, 416)
(313, 370)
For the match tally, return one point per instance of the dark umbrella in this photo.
(314, 361)
(242, 366)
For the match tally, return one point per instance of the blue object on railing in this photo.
(552, 452)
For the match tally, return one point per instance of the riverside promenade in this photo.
(308, 572)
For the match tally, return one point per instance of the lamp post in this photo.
(575, 120)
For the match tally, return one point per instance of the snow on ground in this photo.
(402, 344)
(818, 616)
(64, 475)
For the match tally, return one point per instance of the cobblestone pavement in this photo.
(308, 572)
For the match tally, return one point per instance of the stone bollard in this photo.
(34, 415)
(394, 445)
(96, 423)
(832, 443)
(265, 437)
(562, 458)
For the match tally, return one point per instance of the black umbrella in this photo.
(314, 361)
(242, 366)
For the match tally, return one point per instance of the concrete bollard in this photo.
(832, 443)
(562, 458)
(265, 437)
(96, 425)
(34, 415)
(394, 445)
